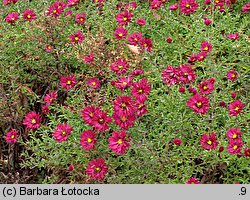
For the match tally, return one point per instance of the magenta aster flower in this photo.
(81, 18)
(29, 15)
(101, 120)
(12, 17)
(209, 141)
(89, 58)
(130, 6)
(188, 6)
(137, 72)
(247, 152)
(94, 83)
(141, 89)
(141, 21)
(232, 75)
(6, 2)
(193, 58)
(32, 120)
(123, 105)
(234, 133)
(233, 36)
(186, 74)
(62, 132)
(155, 4)
(177, 141)
(68, 82)
(207, 86)
(170, 75)
(123, 82)
(246, 8)
(120, 66)
(45, 109)
(174, 6)
(50, 98)
(235, 107)
(77, 37)
(234, 146)
(134, 38)
(206, 46)
(207, 21)
(88, 140)
(120, 33)
(97, 169)
(88, 114)
(72, 3)
(123, 18)
(56, 9)
(124, 121)
(119, 142)
(48, 48)
(201, 56)
(146, 43)
(233, 95)
(11, 136)
(169, 40)
(140, 108)
(198, 104)
(192, 90)
(192, 180)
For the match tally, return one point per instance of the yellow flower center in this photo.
(63, 133)
(101, 120)
(125, 18)
(89, 140)
(98, 169)
(81, 19)
(201, 57)
(68, 82)
(140, 106)
(206, 48)
(13, 136)
(204, 87)
(234, 136)
(124, 83)
(91, 114)
(237, 108)
(12, 18)
(54, 11)
(233, 75)
(93, 83)
(76, 38)
(199, 104)
(145, 45)
(235, 147)
(49, 47)
(217, 1)
(123, 105)
(28, 16)
(120, 34)
(209, 142)
(188, 6)
(124, 118)
(119, 141)
(140, 91)
(120, 66)
(33, 121)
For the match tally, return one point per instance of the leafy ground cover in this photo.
(125, 92)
